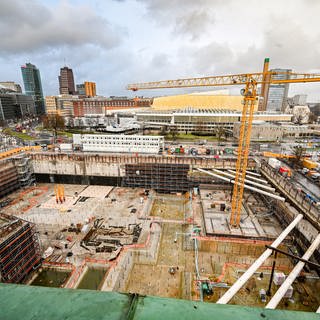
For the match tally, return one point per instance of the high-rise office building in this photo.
(90, 89)
(80, 89)
(299, 99)
(66, 81)
(32, 86)
(87, 89)
(278, 93)
(15, 106)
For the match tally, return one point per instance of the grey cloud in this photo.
(191, 18)
(160, 60)
(287, 46)
(169, 5)
(28, 26)
(206, 60)
(195, 23)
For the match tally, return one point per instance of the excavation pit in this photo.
(50, 277)
(167, 242)
(93, 278)
(169, 207)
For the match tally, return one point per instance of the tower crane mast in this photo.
(250, 81)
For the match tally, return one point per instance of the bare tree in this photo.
(70, 122)
(173, 132)
(164, 130)
(312, 117)
(299, 119)
(220, 131)
(53, 122)
(299, 153)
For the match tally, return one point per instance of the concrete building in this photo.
(11, 85)
(51, 104)
(80, 89)
(278, 93)
(62, 104)
(296, 132)
(119, 143)
(32, 86)
(66, 81)
(101, 105)
(16, 106)
(87, 89)
(299, 99)
(261, 131)
(65, 106)
(204, 120)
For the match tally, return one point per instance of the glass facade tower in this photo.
(32, 86)
(278, 93)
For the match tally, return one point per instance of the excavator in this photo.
(250, 81)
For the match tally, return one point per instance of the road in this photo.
(307, 185)
(304, 183)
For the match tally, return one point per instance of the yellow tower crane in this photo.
(250, 81)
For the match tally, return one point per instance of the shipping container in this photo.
(274, 163)
(285, 171)
(66, 146)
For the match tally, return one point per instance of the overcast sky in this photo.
(116, 42)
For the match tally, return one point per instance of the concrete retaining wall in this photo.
(311, 212)
(114, 165)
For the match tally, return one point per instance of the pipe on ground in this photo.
(245, 180)
(250, 177)
(257, 264)
(246, 186)
(293, 275)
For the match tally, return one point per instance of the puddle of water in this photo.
(51, 278)
(92, 279)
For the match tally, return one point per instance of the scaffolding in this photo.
(15, 173)
(25, 170)
(9, 179)
(163, 178)
(19, 249)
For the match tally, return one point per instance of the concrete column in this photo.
(293, 275)
(256, 265)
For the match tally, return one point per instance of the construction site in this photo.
(163, 244)
(231, 230)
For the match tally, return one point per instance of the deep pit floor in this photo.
(220, 259)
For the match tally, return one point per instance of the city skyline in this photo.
(120, 42)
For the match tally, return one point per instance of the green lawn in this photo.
(20, 135)
(189, 136)
(65, 133)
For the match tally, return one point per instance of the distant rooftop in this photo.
(211, 111)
